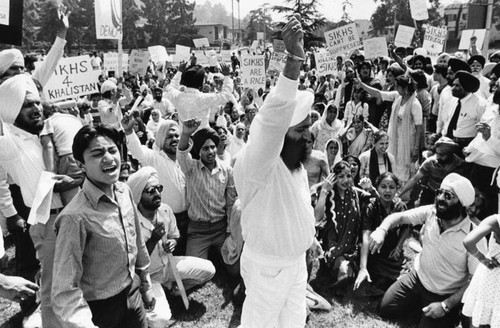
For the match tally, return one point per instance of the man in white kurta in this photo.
(277, 218)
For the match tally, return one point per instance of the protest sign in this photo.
(182, 52)
(404, 36)
(108, 19)
(375, 47)
(255, 45)
(159, 54)
(225, 55)
(277, 63)
(260, 35)
(279, 45)
(434, 40)
(465, 39)
(4, 12)
(253, 71)
(325, 62)
(11, 30)
(418, 10)
(138, 62)
(342, 39)
(111, 61)
(73, 77)
(201, 58)
(200, 43)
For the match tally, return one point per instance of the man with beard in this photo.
(277, 217)
(435, 287)
(161, 103)
(210, 192)
(435, 168)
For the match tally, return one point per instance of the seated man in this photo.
(160, 234)
(436, 285)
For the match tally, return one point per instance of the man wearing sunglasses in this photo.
(435, 287)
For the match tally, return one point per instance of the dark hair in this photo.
(342, 165)
(354, 158)
(385, 175)
(420, 79)
(107, 94)
(395, 71)
(406, 83)
(496, 96)
(86, 134)
(378, 135)
(441, 69)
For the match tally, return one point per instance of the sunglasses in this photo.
(447, 195)
(152, 190)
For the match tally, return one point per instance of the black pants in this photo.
(124, 310)
(182, 220)
(480, 177)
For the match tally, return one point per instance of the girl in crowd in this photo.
(358, 138)
(327, 127)
(355, 168)
(333, 152)
(392, 73)
(481, 299)
(377, 160)
(383, 268)
(355, 107)
(153, 123)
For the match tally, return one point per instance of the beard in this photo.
(294, 153)
(152, 205)
(158, 98)
(451, 212)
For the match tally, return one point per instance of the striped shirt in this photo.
(99, 249)
(209, 195)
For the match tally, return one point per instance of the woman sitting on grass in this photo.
(382, 268)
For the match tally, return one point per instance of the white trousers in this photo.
(275, 291)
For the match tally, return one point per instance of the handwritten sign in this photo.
(73, 77)
(159, 54)
(434, 40)
(404, 36)
(111, 61)
(199, 43)
(465, 41)
(325, 62)
(276, 63)
(418, 10)
(225, 55)
(182, 52)
(279, 45)
(4, 12)
(108, 19)
(375, 47)
(343, 39)
(253, 71)
(138, 62)
(201, 58)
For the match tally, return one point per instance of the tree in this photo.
(258, 21)
(310, 19)
(131, 15)
(30, 19)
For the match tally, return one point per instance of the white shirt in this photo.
(164, 106)
(63, 128)
(471, 111)
(444, 100)
(110, 113)
(484, 87)
(277, 217)
(169, 173)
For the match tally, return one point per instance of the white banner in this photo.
(276, 63)
(138, 62)
(375, 47)
(182, 52)
(434, 40)
(108, 19)
(404, 36)
(418, 10)
(325, 63)
(465, 39)
(253, 71)
(111, 61)
(159, 54)
(4, 12)
(201, 58)
(73, 77)
(342, 40)
(199, 43)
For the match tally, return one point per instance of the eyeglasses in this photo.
(447, 195)
(152, 190)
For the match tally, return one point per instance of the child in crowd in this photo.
(355, 107)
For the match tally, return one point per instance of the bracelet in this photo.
(445, 307)
(477, 251)
(294, 57)
(385, 231)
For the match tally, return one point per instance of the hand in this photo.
(293, 36)
(366, 184)
(224, 69)
(182, 66)
(16, 224)
(158, 231)
(396, 253)
(128, 123)
(16, 288)
(362, 276)
(169, 245)
(490, 263)
(63, 21)
(329, 182)
(485, 130)
(434, 310)
(65, 183)
(140, 134)
(377, 238)
(149, 300)
(191, 125)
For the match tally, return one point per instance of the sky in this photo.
(331, 9)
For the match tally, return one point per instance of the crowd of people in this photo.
(147, 188)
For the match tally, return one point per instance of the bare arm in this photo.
(411, 183)
(48, 152)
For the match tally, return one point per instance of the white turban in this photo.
(9, 58)
(461, 187)
(420, 52)
(305, 100)
(161, 134)
(143, 87)
(108, 85)
(12, 94)
(138, 181)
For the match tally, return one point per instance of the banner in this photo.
(342, 40)
(4, 12)
(404, 36)
(225, 55)
(279, 45)
(253, 71)
(73, 77)
(375, 47)
(111, 62)
(108, 19)
(434, 40)
(199, 43)
(418, 10)
(182, 52)
(12, 31)
(138, 62)
(277, 63)
(159, 54)
(465, 39)
(325, 63)
(201, 58)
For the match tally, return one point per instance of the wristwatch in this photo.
(445, 307)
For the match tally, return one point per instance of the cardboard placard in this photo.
(467, 35)
(343, 39)
(199, 43)
(276, 63)
(138, 62)
(201, 58)
(404, 36)
(434, 40)
(279, 45)
(12, 31)
(375, 47)
(73, 77)
(325, 62)
(4, 12)
(108, 19)
(253, 71)
(158, 54)
(111, 61)
(225, 55)
(182, 52)
(418, 10)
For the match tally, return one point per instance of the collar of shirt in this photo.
(145, 221)
(202, 167)
(95, 194)
(464, 225)
(466, 98)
